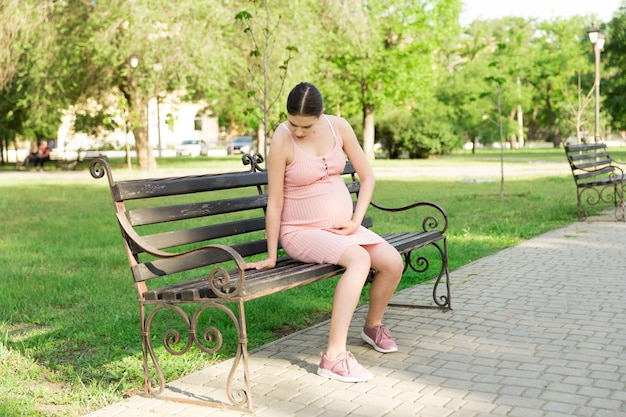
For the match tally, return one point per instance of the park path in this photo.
(536, 330)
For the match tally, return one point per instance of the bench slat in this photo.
(581, 175)
(406, 242)
(194, 260)
(586, 147)
(150, 188)
(160, 187)
(287, 274)
(176, 238)
(592, 163)
(588, 156)
(600, 182)
(142, 217)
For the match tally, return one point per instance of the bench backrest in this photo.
(180, 213)
(589, 162)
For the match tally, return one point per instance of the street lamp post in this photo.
(597, 39)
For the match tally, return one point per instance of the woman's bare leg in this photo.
(356, 260)
(386, 260)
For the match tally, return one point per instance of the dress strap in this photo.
(332, 129)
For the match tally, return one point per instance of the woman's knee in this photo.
(356, 257)
(388, 261)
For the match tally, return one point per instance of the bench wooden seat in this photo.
(598, 178)
(194, 233)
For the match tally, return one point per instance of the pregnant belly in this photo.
(320, 211)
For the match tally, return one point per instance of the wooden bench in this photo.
(68, 161)
(597, 176)
(194, 232)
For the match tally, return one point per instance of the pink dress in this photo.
(316, 198)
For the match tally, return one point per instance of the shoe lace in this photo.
(349, 361)
(382, 332)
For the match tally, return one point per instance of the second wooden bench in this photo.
(598, 178)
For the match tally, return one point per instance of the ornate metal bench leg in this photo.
(582, 214)
(620, 205)
(208, 341)
(240, 398)
(149, 356)
(443, 301)
(421, 264)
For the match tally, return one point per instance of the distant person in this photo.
(43, 155)
(310, 211)
(32, 155)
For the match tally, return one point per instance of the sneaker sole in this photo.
(331, 375)
(372, 343)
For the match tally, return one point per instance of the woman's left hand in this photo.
(346, 228)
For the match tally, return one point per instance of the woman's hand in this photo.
(346, 228)
(264, 264)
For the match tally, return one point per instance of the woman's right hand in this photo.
(264, 264)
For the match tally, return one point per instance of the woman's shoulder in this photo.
(281, 133)
(342, 126)
(281, 145)
(337, 120)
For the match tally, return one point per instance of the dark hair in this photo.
(305, 100)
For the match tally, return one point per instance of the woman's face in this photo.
(301, 126)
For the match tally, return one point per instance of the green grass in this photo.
(69, 334)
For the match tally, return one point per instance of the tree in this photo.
(543, 55)
(19, 23)
(180, 38)
(382, 51)
(267, 72)
(556, 54)
(576, 107)
(614, 85)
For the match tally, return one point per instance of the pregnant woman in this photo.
(310, 211)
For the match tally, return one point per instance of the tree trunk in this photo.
(262, 142)
(145, 156)
(551, 117)
(520, 116)
(368, 131)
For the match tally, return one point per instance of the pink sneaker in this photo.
(345, 368)
(380, 338)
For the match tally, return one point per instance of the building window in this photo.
(197, 122)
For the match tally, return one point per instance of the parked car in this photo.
(240, 144)
(192, 147)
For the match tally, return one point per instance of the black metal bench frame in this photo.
(598, 178)
(163, 254)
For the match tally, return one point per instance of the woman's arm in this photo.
(276, 163)
(357, 156)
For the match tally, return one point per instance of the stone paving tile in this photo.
(536, 330)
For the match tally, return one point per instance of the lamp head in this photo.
(593, 32)
(600, 41)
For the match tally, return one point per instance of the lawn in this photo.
(69, 330)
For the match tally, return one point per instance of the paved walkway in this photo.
(536, 330)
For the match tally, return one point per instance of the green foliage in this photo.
(267, 71)
(614, 84)
(383, 54)
(366, 57)
(419, 134)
